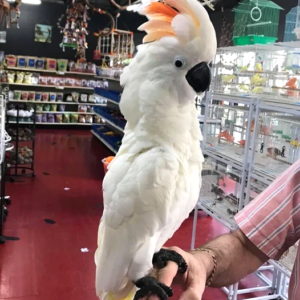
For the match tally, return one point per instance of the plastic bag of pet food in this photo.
(61, 107)
(89, 119)
(66, 118)
(51, 118)
(17, 95)
(82, 108)
(46, 107)
(39, 107)
(53, 107)
(81, 119)
(58, 118)
(20, 77)
(89, 108)
(97, 119)
(27, 78)
(38, 118)
(44, 118)
(35, 78)
(11, 77)
(38, 96)
(91, 98)
(24, 95)
(75, 96)
(74, 118)
(45, 96)
(83, 98)
(52, 96)
(59, 97)
(31, 96)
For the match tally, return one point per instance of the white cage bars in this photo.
(117, 44)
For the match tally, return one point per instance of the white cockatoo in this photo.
(153, 183)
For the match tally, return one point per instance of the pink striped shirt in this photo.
(272, 221)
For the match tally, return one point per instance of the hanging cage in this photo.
(291, 21)
(256, 22)
(118, 44)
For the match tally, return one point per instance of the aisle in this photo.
(47, 263)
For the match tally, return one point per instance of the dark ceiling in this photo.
(105, 4)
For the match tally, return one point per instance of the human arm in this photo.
(268, 227)
(236, 257)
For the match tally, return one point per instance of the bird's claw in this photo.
(149, 286)
(161, 258)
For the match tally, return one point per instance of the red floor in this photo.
(47, 262)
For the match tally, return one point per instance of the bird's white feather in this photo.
(154, 181)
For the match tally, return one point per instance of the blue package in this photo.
(21, 62)
(38, 96)
(31, 62)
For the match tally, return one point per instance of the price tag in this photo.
(60, 87)
(61, 73)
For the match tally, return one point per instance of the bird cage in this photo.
(118, 44)
(256, 22)
(291, 21)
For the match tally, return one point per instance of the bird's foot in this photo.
(149, 286)
(161, 258)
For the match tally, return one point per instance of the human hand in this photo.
(193, 280)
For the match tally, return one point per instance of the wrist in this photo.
(208, 262)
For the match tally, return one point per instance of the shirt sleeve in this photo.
(272, 220)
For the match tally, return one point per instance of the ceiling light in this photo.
(34, 2)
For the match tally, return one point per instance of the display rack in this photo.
(58, 87)
(22, 157)
(111, 134)
(4, 139)
(255, 98)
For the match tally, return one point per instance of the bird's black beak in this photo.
(199, 77)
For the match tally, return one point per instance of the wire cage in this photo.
(291, 21)
(256, 22)
(117, 44)
(252, 69)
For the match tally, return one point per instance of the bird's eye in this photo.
(179, 62)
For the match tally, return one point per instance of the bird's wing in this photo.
(138, 193)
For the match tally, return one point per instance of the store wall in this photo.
(21, 41)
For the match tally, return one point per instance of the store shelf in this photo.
(49, 123)
(53, 86)
(51, 72)
(31, 70)
(104, 141)
(55, 102)
(107, 78)
(65, 112)
(110, 122)
(111, 101)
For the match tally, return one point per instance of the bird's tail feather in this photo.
(126, 293)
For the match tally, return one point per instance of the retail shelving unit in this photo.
(16, 160)
(108, 82)
(254, 100)
(111, 117)
(4, 138)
